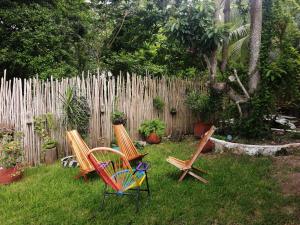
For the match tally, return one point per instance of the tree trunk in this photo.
(213, 56)
(213, 65)
(255, 42)
(226, 12)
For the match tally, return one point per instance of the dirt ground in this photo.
(287, 171)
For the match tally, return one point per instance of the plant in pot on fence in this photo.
(11, 156)
(152, 130)
(158, 104)
(118, 118)
(43, 125)
(201, 106)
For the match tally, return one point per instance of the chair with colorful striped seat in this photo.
(114, 169)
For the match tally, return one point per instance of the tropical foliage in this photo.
(76, 112)
(253, 43)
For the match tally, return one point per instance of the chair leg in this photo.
(82, 174)
(200, 170)
(198, 177)
(102, 204)
(138, 199)
(147, 183)
(183, 175)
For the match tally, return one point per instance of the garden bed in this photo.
(279, 142)
(221, 146)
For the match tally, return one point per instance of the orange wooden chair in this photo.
(80, 150)
(186, 166)
(117, 174)
(125, 143)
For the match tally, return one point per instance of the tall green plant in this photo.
(158, 103)
(43, 125)
(76, 112)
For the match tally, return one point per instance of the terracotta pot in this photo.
(7, 176)
(50, 156)
(201, 128)
(153, 138)
(208, 147)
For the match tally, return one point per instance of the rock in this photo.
(142, 143)
(285, 122)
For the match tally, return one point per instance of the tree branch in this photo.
(115, 36)
(240, 84)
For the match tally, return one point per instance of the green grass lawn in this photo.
(241, 190)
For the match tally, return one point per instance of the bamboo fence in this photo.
(23, 99)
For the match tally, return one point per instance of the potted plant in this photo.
(201, 106)
(43, 125)
(11, 155)
(118, 118)
(152, 130)
(199, 103)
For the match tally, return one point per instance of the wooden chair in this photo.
(125, 143)
(117, 174)
(80, 150)
(187, 166)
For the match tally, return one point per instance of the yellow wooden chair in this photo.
(125, 143)
(80, 150)
(186, 166)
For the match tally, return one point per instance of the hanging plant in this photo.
(158, 103)
(173, 111)
(118, 118)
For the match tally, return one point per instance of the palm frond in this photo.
(236, 48)
(237, 33)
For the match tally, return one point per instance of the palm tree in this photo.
(255, 42)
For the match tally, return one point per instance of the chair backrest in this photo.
(80, 149)
(113, 167)
(124, 142)
(201, 145)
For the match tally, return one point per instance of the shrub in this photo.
(199, 104)
(76, 111)
(11, 150)
(152, 126)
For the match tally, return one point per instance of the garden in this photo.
(150, 112)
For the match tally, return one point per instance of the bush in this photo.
(76, 112)
(199, 103)
(152, 126)
(11, 150)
